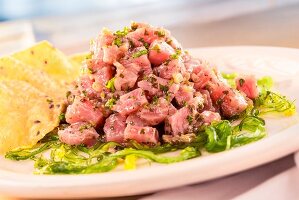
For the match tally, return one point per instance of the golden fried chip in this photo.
(45, 57)
(13, 69)
(79, 58)
(27, 114)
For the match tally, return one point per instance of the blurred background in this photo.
(70, 24)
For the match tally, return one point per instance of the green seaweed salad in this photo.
(50, 156)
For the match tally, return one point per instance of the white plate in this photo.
(16, 178)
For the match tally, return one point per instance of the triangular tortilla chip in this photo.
(13, 69)
(27, 114)
(79, 58)
(45, 57)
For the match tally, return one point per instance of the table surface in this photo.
(195, 23)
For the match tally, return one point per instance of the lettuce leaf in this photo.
(230, 78)
(265, 83)
(223, 135)
(271, 102)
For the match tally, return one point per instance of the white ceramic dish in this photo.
(16, 178)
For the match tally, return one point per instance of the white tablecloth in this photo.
(277, 180)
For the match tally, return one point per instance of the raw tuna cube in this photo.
(184, 95)
(208, 103)
(233, 104)
(82, 110)
(125, 79)
(111, 54)
(154, 85)
(230, 101)
(248, 85)
(152, 32)
(149, 88)
(202, 75)
(191, 63)
(208, 117)
(134, 120)
(130, 102)
(197, 103)
(142, 36)
(174, 43)
(160, 52)
(114, 128)
(137, 36)
(167, 70)
(139, 64)
(85, 83)
(155, 112)
(171, 110)
(105, 38)
(173, 89)
(179, 121)
(103, 75)
(142, 134)
(79, 133)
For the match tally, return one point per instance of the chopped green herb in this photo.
(62, 117)
(176, 55)
(131, 44)
(140, 53)
(122, 33)
(110, 103)
(241, 82)
(145, 44)
(219, 101)
(156, 48)
(134, 26)
(118, 42)
(168, 96)
(185, 103)
(110, 84)
(84, 92)
(155, 100)
(164, 88)
(160, 33)
(189, 119)
(84, 127)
